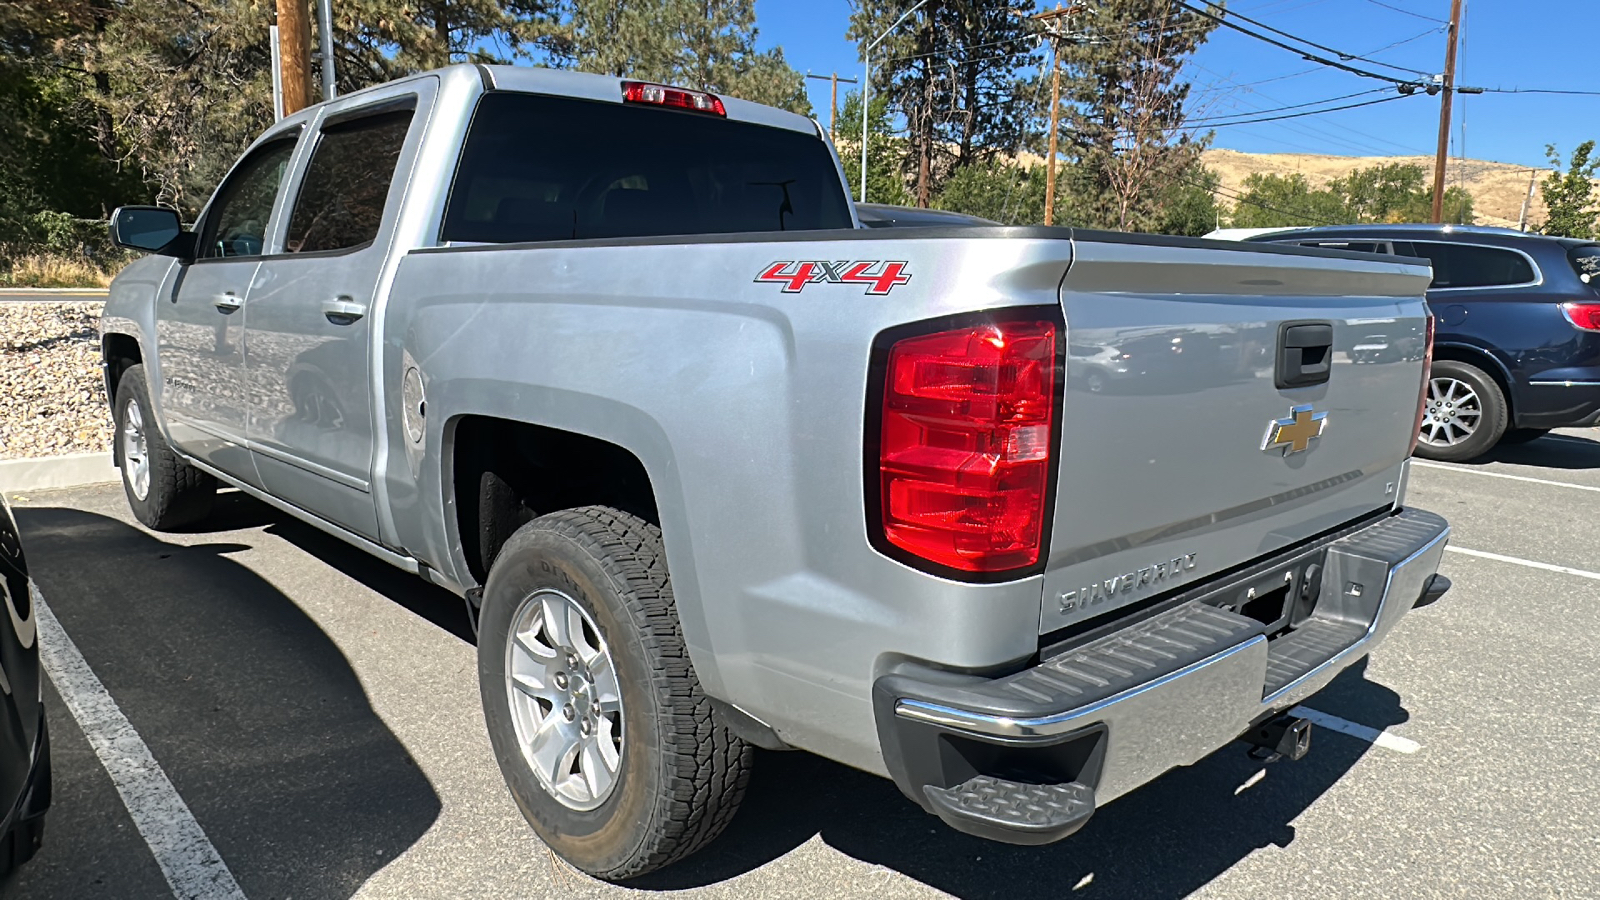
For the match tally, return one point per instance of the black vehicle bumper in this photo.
(22, 831)
(1028, 757)
(1558, 404)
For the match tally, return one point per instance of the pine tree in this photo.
(886, 151)
(951, 72)
(1124, 117)
(704, 44)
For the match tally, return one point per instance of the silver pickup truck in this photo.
(1021, 518)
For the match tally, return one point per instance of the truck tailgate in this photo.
(1173, 390)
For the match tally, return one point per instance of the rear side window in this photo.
(537, 168)
(341, 199)
(1470, 266)
(1586, 262)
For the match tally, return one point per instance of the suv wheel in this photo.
(609, 746)
(164, 491)
(1465, 413)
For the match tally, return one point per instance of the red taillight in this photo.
(1427, 374)
(675, 98)
(965, 451)
(1582, 315)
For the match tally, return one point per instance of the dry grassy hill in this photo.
(1497, 188)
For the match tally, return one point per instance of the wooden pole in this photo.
(1444, 110)
(833, 106)
(1522, 218)
(1055, 113)
(294, 37)
(1053, 18)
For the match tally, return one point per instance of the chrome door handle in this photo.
(227, 302)
(343, 310)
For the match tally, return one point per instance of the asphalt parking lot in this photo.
(317, 712)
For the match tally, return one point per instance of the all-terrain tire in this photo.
(1488, 400)
(178, 494)
(682, 773)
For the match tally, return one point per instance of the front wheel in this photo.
(163, 490)
(1464, 415)
(606, 741)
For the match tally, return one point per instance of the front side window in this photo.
(236, 223)
(1470, 266)
(341, 200)
(539, 168)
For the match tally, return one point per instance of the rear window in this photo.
(1353, 246)
(1472, 266)
(538, 168)
(1586, 262)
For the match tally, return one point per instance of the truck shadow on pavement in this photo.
(253, 712)
(1552, 452)
(1167, 839)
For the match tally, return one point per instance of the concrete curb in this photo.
(45, 473)
(68, 292)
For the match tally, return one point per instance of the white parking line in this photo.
(1566, 484)
(1373, 736)
(1516, 561)
(193, 868)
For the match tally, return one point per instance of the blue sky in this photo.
(1526, 43)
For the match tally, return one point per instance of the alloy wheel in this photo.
(135, 451)
(566, 703)
(1452, 414)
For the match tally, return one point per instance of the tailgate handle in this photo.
(1305, 354)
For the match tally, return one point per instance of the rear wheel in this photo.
(1465, 413)
(163, 490)
(1523, 435)
(602, 732)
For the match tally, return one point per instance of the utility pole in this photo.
(866, 87)
(1449, 87)
(325, 30)
(1522, 219)
(294, 47)
(833, 106)
(1052, 18)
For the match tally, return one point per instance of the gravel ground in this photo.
(51, 399)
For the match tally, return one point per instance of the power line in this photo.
(1354, 70)
(1571, 93)
(1279, 109)
(1308, 130)
(1408, 12)
(1323, 47)
(1312, 112)
(1246, 199)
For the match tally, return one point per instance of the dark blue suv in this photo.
(1517, 350)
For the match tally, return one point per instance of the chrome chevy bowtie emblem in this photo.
(1295, 433)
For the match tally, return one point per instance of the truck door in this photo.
(310, 327)
(200, 323)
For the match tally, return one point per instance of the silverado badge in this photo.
(1295, 433)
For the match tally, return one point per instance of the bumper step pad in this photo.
(1312, 644)
(1011, 811)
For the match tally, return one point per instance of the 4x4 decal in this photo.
(880, 276)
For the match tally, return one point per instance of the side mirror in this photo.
(150, 229)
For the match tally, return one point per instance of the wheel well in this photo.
(1488, 364)
(506, 473)
(119, 352)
